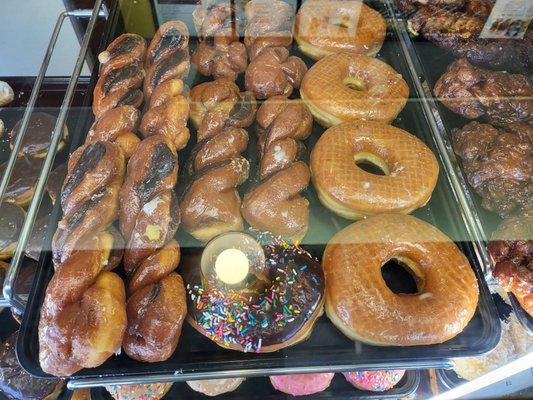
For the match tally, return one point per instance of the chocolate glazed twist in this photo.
(83, 317)
(275, 204)
(149, 212)
(121, 74)
(211, 203)
(219, 53)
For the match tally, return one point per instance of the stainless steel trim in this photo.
(8, 290)
(457, 181)
(180, 377)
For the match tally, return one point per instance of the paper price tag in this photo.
(509, 19)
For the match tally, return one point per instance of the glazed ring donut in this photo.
(323, 27)
(411, 170)
(346, 87)
(361, 305)
(277, 308)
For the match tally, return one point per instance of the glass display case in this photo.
(335, 194)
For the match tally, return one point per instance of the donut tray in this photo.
(327, 349)
(428, 63)
(339, 389)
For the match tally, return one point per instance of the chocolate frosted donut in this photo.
(22, 182)
(272, 312)
(36, 140)
(11, 221)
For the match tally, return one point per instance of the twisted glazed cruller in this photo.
(275, 204)
(211, 204)
(167, 56)
(83, 316)
(121, 74)
(219, 53)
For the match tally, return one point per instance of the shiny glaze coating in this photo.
(167, 56)
(274, 72)
(215, 387)
(11, 220)
(37, 138)
(325, 27)
(361, 305)
(378, 92)
(278, 311)
(411, 170)
(117, 125)
(22, 182)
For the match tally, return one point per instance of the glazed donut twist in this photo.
(219, 53)
(275, 204)
(121, 74)
(83, 317)
(211, 204)
(268, 24)
(149, 210)
(167, 56)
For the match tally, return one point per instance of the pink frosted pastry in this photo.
(214, 387)
(151, 391)
(300, 385)
(375, 381)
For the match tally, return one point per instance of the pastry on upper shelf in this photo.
(11, 220)
(23, 180)
(459, 32)
(6, 94)
(498, 164)
(268, 25)
(219, 53)
(38, 135)
(501, 98)
(17, 384)
(511, 251)
(274, 72)
(324, 27)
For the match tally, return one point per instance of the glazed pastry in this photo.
(168, 113)
(511, 251)
(375, 381)
(275, 204)
(151, 391)
(219, 105)
(117, 125)
(215, 387)
(268, 25)
(36, 141)
(498, 164)
(37, 237)
(83, 316)
(167, 56)
(274, 72)
(219, 53)
(81, 394)
(302, 385)
(11, 220)
(17, 384)
(89, 197)
(346, 87)
(288, 289)
(362, 306)
(121, 74)
(210, 204)
(23, 180)
(149, 218)
(324, 27)
(6, 94)
(411, 170)
(499, 97)
(55, 181)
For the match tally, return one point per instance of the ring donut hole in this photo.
(355, 83)
(403, 276)
(371, 163)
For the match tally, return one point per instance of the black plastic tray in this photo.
(327, 348)
(339, 389)
(449, 378)
(433, 63)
